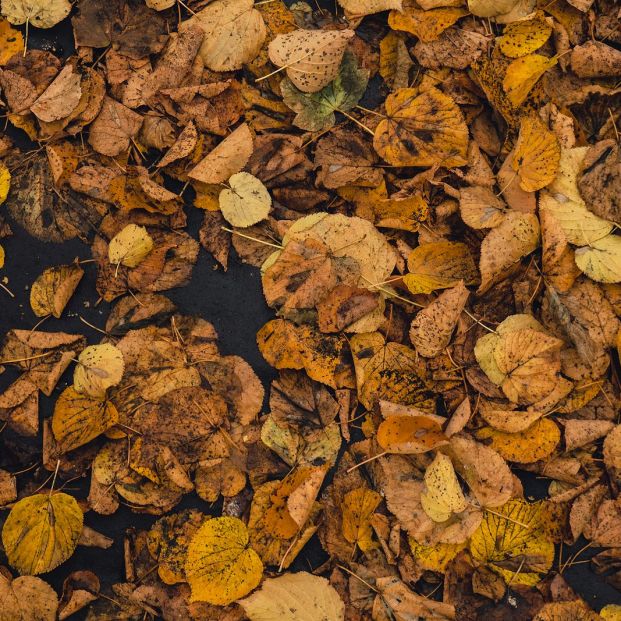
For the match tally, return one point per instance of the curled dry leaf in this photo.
(60, 98)
(52, 290)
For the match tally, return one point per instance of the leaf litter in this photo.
(430, 192)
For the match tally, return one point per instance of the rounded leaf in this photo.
(41, 532)
(99, 367)
(131, 246)
(220, 566)
(246, 202)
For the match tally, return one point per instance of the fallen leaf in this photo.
(522, 74)
(246, 201)
(410, 434)
(311, 58)
(114, 128)
(358, 507)
(99, 367)
(520, 38)
(52, 290)
(60, 98)
(220, 565)
(39, 13)
(442, 495)
(27, 598)
(41, 532)
(601, 259)
(426, 25)
(11, 41)
(130, 246)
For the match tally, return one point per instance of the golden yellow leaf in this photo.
(439, 265)
(566, 611)
(51, 291)
(426, 25)
(5, 182)
(534, 443)
(221, 567)
(537, 154)
(79, 418)
(611, 612)
(325, 358)
(436, 557)
(410, 434)
(130, 246)
(1, 257)
(311, 58)
(358, 506)
(512, 541)
(368, 7)
(601, 260)
(41, 532)
(296, 596)
(522, 74)
(426, 129)
(99, 367)
(442, 495)
(395, 61)
(524, 37)
(11, 42)
(491, 8)
(246, 202)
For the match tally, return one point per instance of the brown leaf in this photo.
(113, 129)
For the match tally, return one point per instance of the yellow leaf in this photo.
(490, 8)
(220, 566)
(39, 13)
(78, 418)
(51, 291)
(566, 611)
(410, 434)
(526, 447)
(11, 42)
(611, 612)
(99, 367)
(439, 265)
(537, 154)
(442, 495)
(357, 508)
(1, 257)
(5, 182)
(524, 37)
(246, 202)
(512, 541)
(395, 61)
(522, 74)
(295, 597)
(436, 557)
(601, 260)
(425, 129)
(368, 7)
(131, 246)
(426, 25)
(41, 532)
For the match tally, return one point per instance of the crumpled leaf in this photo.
(52, 290)
(220, 566)
(358, 507)
(295, 597)
(311, 58)
(60, 98)
(425, 25)
(99, 367)
(246, 202)
(410, 434)
(424, 129)
(315, 111)
(442, 495)
(41, 532)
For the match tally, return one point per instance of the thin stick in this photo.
(49, 353)
(90, 325)
(7, 290)
(351, 573)
(366, 461)
(255, 239)
(356, 121)
(506, 517)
